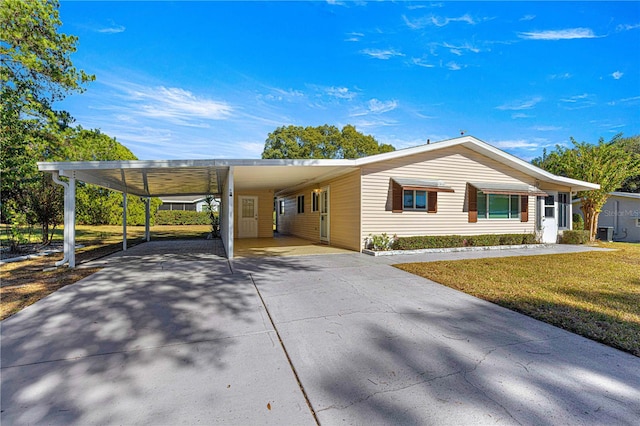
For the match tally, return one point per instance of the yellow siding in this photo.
(344, 213)
(265, 211)
(455, 167)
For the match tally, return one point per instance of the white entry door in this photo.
(248, 216)
(549, 218)
(324, 214)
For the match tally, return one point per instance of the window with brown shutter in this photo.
(396, 195)
(432, 202)
(472, 195)
(524, 208)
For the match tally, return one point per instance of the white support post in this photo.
(147, 216)
(124, 221)
(230, 209)
(69, 248)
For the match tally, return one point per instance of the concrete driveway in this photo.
(181, 336)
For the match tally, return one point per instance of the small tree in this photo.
(214, 217)
(605, 163)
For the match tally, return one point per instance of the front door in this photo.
(549, 218)
(324, 214)
(248, 217)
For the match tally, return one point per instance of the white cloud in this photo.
(381, 53)
(177, 104)
(564, 76)
(378, 107)
(568, 34)
(421, 63)
(458, 49)
(277, 94)
(453, 66)
(112, 30)
(617, 75)
(575, 98)
(253, 148)
(547, 128)
(354, 36)
(515, 144)
(520, 105)
(521, 115)
(627, 27)
(528, 17)
(438, 21)
(340, 93)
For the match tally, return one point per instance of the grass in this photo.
(24, 283)
(594, 294)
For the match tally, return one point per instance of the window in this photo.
(300, 203)
(315, 201)
(414, 200)
(563, 210)
(498, 206)
(281, 206)
(638, 223)
(549, 206)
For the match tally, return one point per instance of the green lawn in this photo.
(594, 294)
(106, 234)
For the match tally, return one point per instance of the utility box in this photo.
(605, 233)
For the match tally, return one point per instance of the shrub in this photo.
(483, 240)
(447, 241)
(182, 217)
(428, 241)
(578, 222)
(574, 237)
(380, 242)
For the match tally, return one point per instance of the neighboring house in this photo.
(460, 186)
(190, 203)
(621, 212)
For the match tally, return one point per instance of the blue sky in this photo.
(212, 79)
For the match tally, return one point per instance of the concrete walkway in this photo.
(163, 338)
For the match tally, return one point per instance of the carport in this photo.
(163, 178)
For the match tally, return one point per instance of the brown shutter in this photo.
(524, 208)
(432, 202)
(473, 203)
(396, 196)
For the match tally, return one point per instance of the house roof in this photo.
(163, 178)
(626, 195)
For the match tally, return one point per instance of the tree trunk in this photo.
(45, 233)
(590, 219)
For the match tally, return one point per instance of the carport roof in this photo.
(161, 178)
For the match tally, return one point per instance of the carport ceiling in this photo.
(198, 177)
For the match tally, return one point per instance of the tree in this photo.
(631, 145)
(36, 71)
(321, 142)
(605, 163)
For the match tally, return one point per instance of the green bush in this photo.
(578, 222)
(483, 240)
(574, 237)
(427, 241)
(182, 217)
(447, 241)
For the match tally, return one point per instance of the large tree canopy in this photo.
(605, 163)
(321, 142)
(36, 71)
(631, 145)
